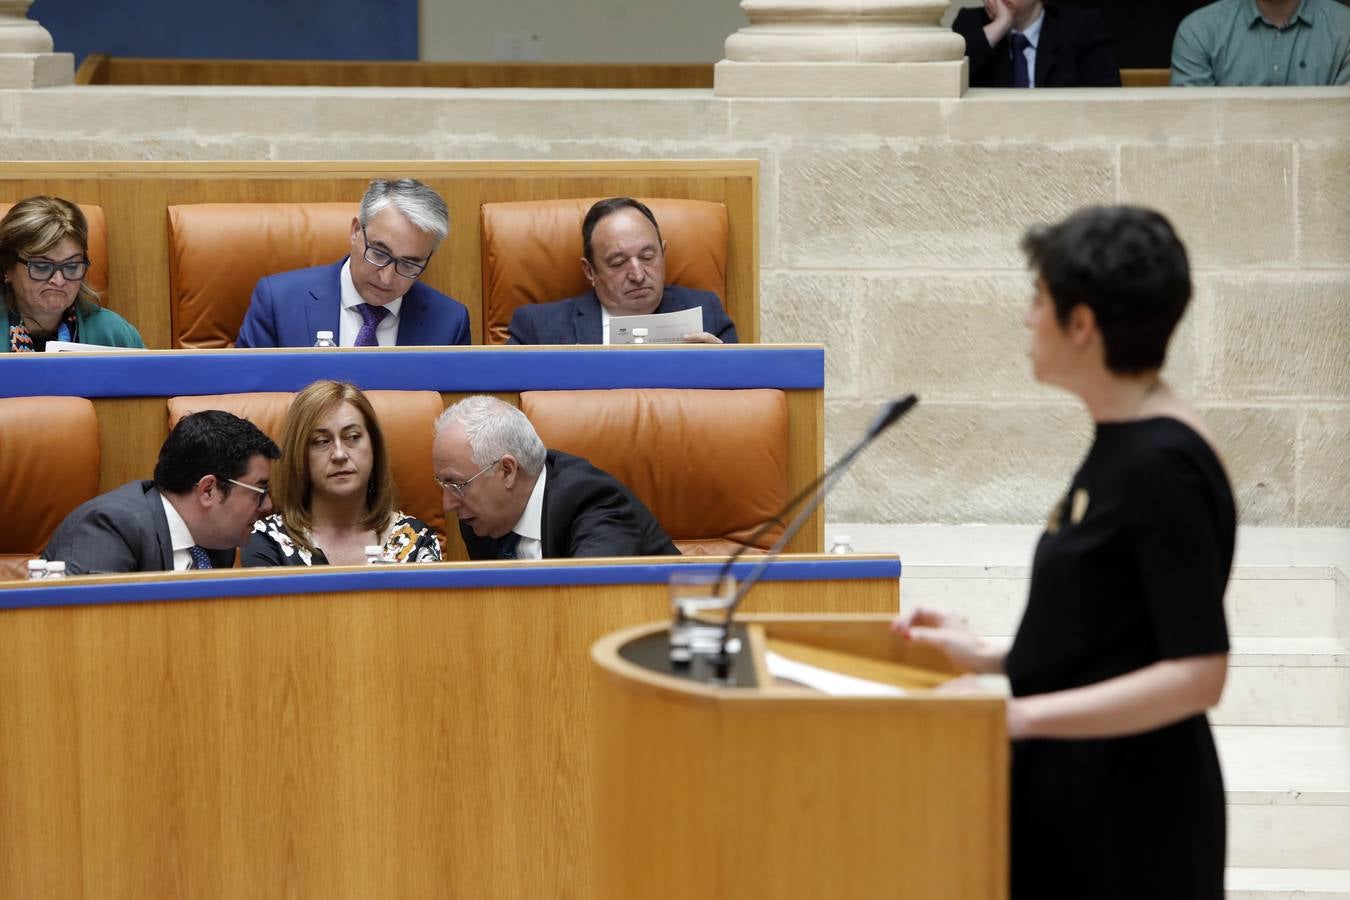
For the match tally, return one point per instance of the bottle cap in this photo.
(56, 567)
(324, 335)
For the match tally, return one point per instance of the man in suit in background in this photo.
(624, 259)
(515, 499)
(210, 486)
(1027, 43)
(372, 298)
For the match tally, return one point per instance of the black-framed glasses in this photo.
(379, 259)
(260, 491)
(45, 269)
(457, 487)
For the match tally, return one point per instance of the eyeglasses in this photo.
(44, 269)
(260, 491)
(379, 259)
(457, 487)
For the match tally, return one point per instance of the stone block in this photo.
(1258, 447)
(1279, 336)
(116, 148)
(964, 206)
(1082, 116)
(947, 337)
(1324, 467)
(816, 309)
(957, 462)
(80, 112)
(863, 118)
(1232, 204)
(581, 115)
(25, 71)
(1311, 114)
(840, 79)
(1324, 202)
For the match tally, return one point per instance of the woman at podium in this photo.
(1116, 788)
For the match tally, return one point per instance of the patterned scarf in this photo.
(21, 341)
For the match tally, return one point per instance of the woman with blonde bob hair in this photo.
(44, 257)
(333, 489)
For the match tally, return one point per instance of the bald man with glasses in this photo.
(373, 298)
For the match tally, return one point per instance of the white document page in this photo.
(662, 328)
(827, 682)
(73, 347)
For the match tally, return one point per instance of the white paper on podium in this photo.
(827, 682)
(662, 328)
(73, 347)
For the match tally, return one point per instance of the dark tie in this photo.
(507, 548)
(371, 317)
(200, 559)
(1021, 78)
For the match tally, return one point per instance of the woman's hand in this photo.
(952, 635)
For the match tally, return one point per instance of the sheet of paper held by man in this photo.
(662, 328)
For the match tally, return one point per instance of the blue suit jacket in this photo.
(576, 320)
(1074, 50)
(288, 308)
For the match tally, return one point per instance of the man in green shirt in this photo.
(1259, 43)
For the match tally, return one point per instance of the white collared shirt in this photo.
(180, 538)
(604, 324)
(531, 524)
(349, 323)
(1033, 36)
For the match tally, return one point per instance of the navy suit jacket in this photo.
(288, 308)
(1074, 50)
(587, 512)
(124, 530)
(576, 320)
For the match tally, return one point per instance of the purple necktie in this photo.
(371, 317)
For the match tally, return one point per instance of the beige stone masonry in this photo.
(1324, 468)
(26, 57)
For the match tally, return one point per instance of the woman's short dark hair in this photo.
(1128, 266)
(210, 442)
(607, 207)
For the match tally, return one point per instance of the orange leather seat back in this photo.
(406, 418)
(710, 465)
(219, 251)
(532, 252)
(97, 277)
(49, 462)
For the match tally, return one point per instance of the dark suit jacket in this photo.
(1074, 50)
(587, 512)
(124, 530)
(576, 320)
(288, 308)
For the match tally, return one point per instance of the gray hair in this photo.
(416, 202)
(495, 428)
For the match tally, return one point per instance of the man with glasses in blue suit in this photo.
(373, 297)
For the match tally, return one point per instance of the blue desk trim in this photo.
(420, 577)
(452, 369)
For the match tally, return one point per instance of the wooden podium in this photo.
(768, 790)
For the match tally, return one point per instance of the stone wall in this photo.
(889, 231)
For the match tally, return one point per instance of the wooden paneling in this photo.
(365, 743)
(99, 68)
(135, 198)
(1145, 77)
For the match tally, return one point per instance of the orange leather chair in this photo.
(49, 461)
(710, 465)
(97, 277)
(219, 251)
(406, 418)
(532, 252)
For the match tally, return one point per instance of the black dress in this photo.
(1131, 570)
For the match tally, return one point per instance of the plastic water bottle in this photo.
(639, 335)
(37, 569)
(375, 555)
(841, 544)
(56, 569)
(324, 339)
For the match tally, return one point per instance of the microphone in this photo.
(889, 415)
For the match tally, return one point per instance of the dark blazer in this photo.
(587, 512)
(1074, 50)
(576, 320)
(124, 530)
(288, 308)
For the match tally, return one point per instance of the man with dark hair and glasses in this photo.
(210, 486)
(373, 297)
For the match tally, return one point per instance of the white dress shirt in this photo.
(1033, 36)
(350, 322)
(531, 524)
(179, 536)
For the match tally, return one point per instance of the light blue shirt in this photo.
(1229, 44)
(1033, 36)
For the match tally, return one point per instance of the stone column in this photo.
(26, 57)
(843, 48)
